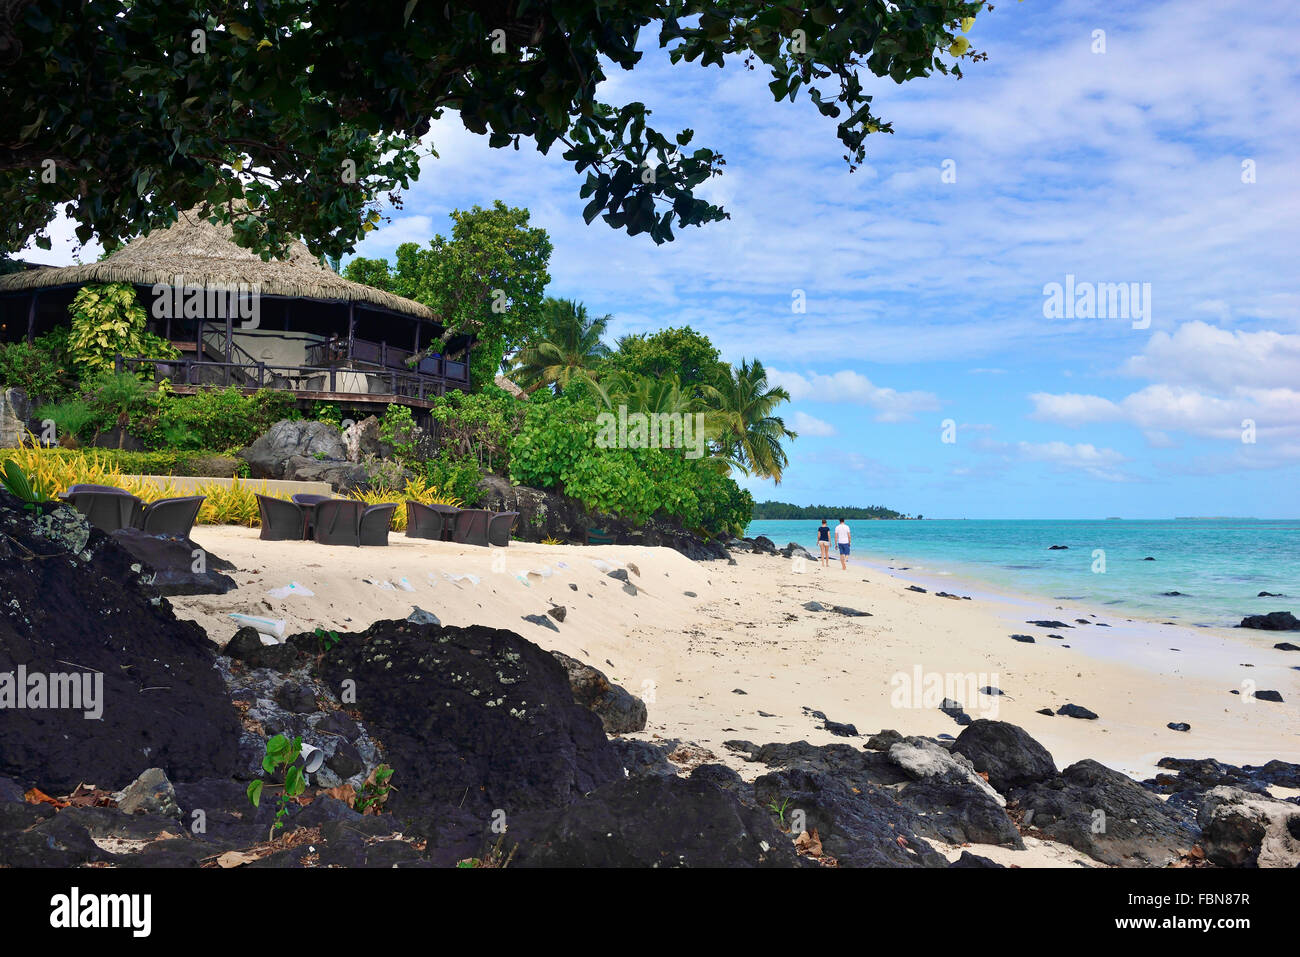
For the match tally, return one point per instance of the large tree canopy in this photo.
(488, 279)
(305, 112)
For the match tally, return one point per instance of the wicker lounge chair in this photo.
(430, 521)
(375, 523)
(111, 489)
(308, 505)
(499, 528)
(108, 510)
(472, 526)
(281, 520)
(171, 516)
(338, 522)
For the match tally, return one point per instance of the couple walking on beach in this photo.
(842, 538)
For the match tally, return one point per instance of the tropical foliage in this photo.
(108, 321)
(568, 345)
(310, 111)
(486, 279)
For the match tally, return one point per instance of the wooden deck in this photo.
(345, 398)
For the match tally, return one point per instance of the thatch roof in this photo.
(205, 254)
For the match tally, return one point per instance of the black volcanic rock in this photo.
(74, 605)
(172, 562)
(661, 821)
(1005, 752)
(1108, 816)
(619, 711)
(475, 718)
(1077, 711)
(1273, 621)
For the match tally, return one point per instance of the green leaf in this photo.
(255, 792)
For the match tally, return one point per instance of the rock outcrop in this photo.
(81, 627)
(619, 711)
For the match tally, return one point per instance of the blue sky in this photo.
(925, 298)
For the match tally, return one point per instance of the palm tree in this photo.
(568, 349)
(750, 436)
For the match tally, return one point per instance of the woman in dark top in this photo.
(824, 542)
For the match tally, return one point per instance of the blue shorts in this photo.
(844, 548)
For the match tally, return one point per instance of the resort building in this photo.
(291, 324)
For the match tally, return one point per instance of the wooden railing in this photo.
(384, 356)
(313, 379)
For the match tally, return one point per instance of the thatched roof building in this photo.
(206, 254)
(290, 324)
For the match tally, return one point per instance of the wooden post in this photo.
(31, 316)
(352, 326)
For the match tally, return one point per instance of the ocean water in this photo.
(1218, 565)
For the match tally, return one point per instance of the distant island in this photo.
(784, 510)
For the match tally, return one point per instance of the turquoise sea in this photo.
(1218, 565)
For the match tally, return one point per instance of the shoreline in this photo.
(722, 652)
(1138, 604)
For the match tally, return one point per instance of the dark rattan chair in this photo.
(472, 526)
(108, 510)
(171, 516)
(499, 528)
(375, 523)
(430, 521)
(281, 520)
(338, 522)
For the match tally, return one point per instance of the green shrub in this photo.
(397, 428)
(39, 368)
(455, 477)
(223, 419)
(72, 417)
(107, 321)
(555, 448)
(479, 424)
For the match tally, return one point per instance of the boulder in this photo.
(620, 712)
(1273, 621)
(342, 476)
(79, 609)
(150, 793)
(172, 562)
(849, 797)
(661, 821)
(269, 454)
(15, 411)
(1108, 816)
(1006, 753)
(476, 718)
(1242, 829)
(923, 760)
(764, 546)
(361, 439)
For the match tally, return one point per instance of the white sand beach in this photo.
(696, 635)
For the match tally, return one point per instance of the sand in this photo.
(697, 635)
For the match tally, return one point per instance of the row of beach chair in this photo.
(109, 509)
(341, 521)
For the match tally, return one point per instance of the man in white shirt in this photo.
(842, 538)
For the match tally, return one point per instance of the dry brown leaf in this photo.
(37, 796)
(235, 859)
(344, 792)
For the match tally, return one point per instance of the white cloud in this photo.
(1213, 383)
(807, 425)
(847, 385)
